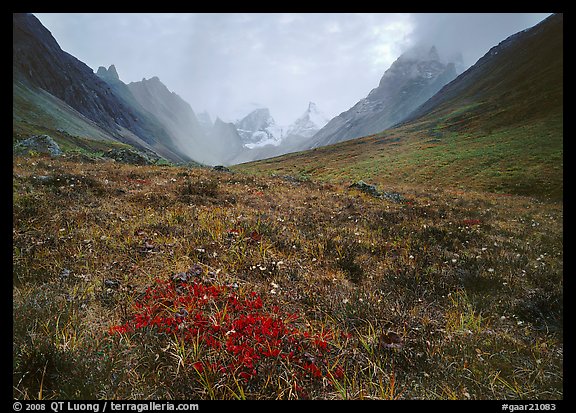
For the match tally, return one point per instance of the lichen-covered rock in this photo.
(371, 190)
(222, 168)
(38, 144)
(364, 187)
(128, 156)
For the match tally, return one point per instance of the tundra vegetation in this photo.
(165, 282)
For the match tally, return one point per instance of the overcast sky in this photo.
(229, 64)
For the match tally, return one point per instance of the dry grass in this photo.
(448, 295)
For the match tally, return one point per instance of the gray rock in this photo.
(371, 189)
(222, 168)
(39, 144)
(364, 187)
(128, 156)
(393, 196)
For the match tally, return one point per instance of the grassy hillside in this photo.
(448, 152)
(150, 282)
(35, 111)
(498, 127)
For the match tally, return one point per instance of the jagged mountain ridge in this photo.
(40, 66)
(297, 134)
(259, 128)
(510, 75)
(206, 143)
(497, 127)
(152, 122)
(411, 80)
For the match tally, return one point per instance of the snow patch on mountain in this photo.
(259, 128)
(309, 123)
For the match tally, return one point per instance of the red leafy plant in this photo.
(240, 337)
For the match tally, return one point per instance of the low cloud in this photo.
(225, 62)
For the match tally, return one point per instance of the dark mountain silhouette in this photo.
(45, 77)
(413, 78)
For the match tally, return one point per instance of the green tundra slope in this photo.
(497, 127)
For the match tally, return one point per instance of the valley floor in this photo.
(158, 282)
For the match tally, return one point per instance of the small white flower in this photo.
(490, 269)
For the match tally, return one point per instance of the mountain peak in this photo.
(113, 73)
(309, 123)
(420, 53)
(420, 62)
(110, 75)
(433, 54)
(259, 128)
(411, 80)
(153, 80)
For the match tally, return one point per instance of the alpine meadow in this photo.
(410, 247)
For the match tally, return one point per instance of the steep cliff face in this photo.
(41, 69)
(209, 145)
(148, 120)
(174, 113)
(39, 60)
(411, 80)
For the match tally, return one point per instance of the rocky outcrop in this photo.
(110, 75)
(373, 191)
(38, 144)
(128, 156)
